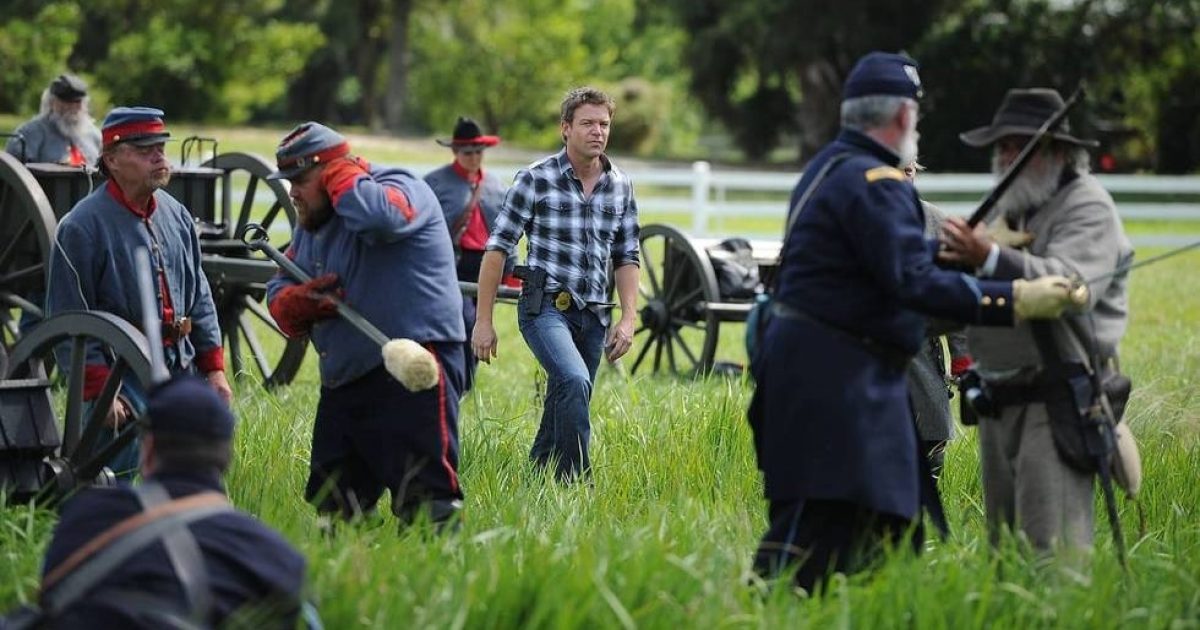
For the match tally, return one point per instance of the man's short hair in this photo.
(184, 452)
(584, 96)
(869, 112)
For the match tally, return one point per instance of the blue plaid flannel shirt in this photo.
(569, 236)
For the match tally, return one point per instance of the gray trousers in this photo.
(1027, 486)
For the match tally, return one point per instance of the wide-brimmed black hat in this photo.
(1022, 113)
(467, 133)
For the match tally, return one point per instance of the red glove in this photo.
(298, 306)
(958, 365)
(340, 175)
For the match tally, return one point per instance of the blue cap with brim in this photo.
(883, 74)
(140, 126)
(306, 146)
(188, 405)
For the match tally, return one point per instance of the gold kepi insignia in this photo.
(884, 172)
(562, 301)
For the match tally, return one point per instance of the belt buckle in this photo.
(562, 301)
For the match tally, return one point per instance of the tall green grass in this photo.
(663, 537)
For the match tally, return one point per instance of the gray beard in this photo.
(908, 147)
(76, 128)
(1031, 190)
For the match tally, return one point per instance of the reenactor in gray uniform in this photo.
(63, 132)
(1032, 478)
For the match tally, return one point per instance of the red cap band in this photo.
(116, 133)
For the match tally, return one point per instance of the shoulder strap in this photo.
(460, 224)
(83, 569)
(184, 553)
(794, 211)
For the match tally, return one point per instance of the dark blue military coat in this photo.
(831, 416)
(246, 560)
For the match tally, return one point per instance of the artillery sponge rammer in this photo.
(412, 365)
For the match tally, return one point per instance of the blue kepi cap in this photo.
(306, 146)
(883, 74)
(140, 126)
(188, 405)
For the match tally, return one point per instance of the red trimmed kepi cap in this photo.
(141, 126)
(467, 133)
(306, 146)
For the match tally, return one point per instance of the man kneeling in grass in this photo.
(170, 552)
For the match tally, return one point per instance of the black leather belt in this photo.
(891, 355)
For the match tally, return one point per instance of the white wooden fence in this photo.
(707, 195)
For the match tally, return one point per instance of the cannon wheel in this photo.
(677, 282)
(245, 322)
(26, 229)
(129, 355)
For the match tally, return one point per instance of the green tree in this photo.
(34, 51)
(766, 68)
(1137, 57)
(219, 60)
(509, 64)
(1150, 51)
(351, 78)
(980, 51)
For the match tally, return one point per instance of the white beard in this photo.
(1032, 188)
(77, 127)
(908, 144)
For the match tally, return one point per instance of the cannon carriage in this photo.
(686, 292)
(224, 194)
(41, 457)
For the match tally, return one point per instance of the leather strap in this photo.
(79, 573)
(184, 553)
(464, 218)
(794, 213)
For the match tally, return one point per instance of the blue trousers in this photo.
(372, 435)
(568, 345)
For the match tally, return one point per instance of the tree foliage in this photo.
(34, 51)
(502, 63)
(509, 64)
(980, 51)
(771, 67)
(768, 71)
(217, 60)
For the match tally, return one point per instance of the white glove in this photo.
(1046, 297)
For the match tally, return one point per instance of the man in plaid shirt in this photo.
(577, 210)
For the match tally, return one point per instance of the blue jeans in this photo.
(568, 345)
(125, 462)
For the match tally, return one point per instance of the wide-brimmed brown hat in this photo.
(1022, 113)
(467, 133)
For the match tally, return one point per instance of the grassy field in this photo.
(663, 538)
